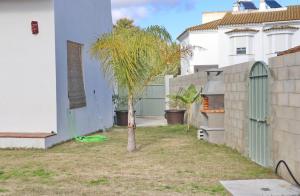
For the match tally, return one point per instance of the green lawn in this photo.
(168, 162)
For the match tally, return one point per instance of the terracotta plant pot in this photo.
(122, 117)
(175, 117)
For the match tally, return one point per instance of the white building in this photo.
(51, 89)
(244, 34)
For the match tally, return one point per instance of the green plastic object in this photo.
(91, 139)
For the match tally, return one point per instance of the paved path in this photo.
(264, 187)
(151, 121)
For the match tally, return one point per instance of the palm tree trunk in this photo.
(131, 125)
(189, 116)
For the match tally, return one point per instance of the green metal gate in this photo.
(258, 114)
(152, 101)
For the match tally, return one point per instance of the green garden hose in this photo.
(91, 139)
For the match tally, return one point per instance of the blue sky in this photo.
(175, 15)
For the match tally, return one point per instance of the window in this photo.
(76, 92)
(241, 45)
(281, 42)
(241, 50)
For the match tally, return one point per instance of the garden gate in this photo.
(152, 101)
(258, 114)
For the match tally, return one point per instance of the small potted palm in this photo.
(175, 115)
(185, 98)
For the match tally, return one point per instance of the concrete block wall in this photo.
(284, 119)
(236, 106)
(285, 112)
(199, 79)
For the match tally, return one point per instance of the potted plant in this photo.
(121, 110)
(176, 114)
(185, 98)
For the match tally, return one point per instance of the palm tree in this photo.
(124, 23)
(134, 57)
(188, 97)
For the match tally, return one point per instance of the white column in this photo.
(262, 5)
(167, 90)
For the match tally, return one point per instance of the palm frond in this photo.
(134, 56)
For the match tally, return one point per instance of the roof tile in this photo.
(207, 26)
(253, 17)
(284, 27)
(242, 30)
(291, 13)
(289, 51)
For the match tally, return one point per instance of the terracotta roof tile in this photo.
(281, 28)
(252, 17)
(291, 13)
(242, 30)
(206, 26)
(289, 51)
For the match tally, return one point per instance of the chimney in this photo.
(262, 5)
(236, 7)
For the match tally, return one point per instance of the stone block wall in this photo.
(285, 112)
(199, 79)
(236, 106)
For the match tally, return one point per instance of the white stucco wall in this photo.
(219, 48)
(259, 45)
(185, 61)
(296, 35)
(204, 45)
(27, 64)
(252, 41)
(82, 21)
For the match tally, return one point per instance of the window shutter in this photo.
(76, 90)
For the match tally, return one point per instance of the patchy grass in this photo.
(24, 173)
(168, 162)
(3, 190)
(212, 190)
(100, 181)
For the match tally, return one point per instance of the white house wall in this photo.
(229, 43)
(206, 45)
(224, 49)
(27, 64)
(296, 36)
(291, 37)
(259, 48)
(82, 21)
(216, 47)
(185, 62)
